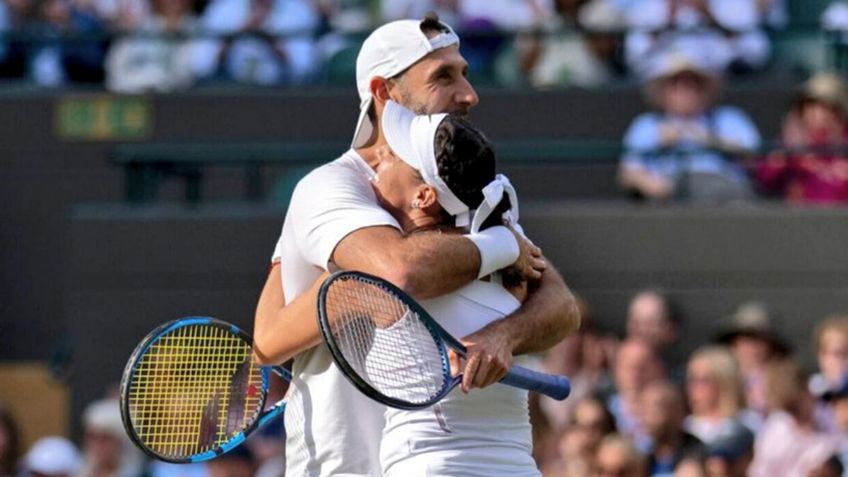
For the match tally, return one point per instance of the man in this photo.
(334, 221)
(636, 366)
(662, 411)
(731, 452)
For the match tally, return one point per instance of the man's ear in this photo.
(426, 196)
(379, 87)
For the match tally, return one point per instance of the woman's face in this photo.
(702, 389)
(396, 183)
(823, 123)
(833, 355)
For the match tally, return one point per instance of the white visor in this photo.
(412, 139)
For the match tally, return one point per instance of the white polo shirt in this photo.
(331, 428)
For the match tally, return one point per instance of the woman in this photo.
(435, 170)
(714, 391)
(812, 165)
(790, 444)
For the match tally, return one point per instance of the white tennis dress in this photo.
(484, 433)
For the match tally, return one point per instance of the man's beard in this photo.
(421, 109)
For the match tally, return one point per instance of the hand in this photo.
(487, 359)
(530, 263)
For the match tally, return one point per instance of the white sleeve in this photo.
(327, 205)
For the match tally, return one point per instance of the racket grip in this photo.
(557, 387)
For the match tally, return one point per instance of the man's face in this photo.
(436, 84)
(685, 94)
(636, 366)
(662, 410)
(647, 319)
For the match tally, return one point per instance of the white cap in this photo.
(104, 416)
(53, 456)
(412, 138)
(387, 52)
(696, 55)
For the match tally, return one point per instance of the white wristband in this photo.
(498, 249)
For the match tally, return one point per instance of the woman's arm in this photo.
(281, 331)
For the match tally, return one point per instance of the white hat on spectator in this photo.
(53, 456)
(683, 55)
(387, 52)
(104, 416)
(602, 16)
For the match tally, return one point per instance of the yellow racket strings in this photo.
(193, 389)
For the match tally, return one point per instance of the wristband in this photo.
(498, 249)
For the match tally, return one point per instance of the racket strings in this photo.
(193, 389)
(385, 341)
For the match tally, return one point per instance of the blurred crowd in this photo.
(738, 405)
(690, 147)
(166, 45)
(105, 450)
(651, 401)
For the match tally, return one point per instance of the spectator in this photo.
(713, 388)
(238, 462)
(447, 10)
(812, 165)
(57, 60)
(731, 452)
(617, 456)
(159, 58)
(753, 339)
(117, 15)
(10, 442)
(726, 31)
(636, 366)
(51, 457)
(579, 442)
(652, 318)
(830, 343)
(585, 58)
(690, 466)
(837, 400)
(831, 347)
(662, 413)
(688, 147)
(107, 451)
(14, 15)
(585, 357)
(483, 21)
(789, 444)
(832, 467)
(252, 51)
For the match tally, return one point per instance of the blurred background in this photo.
(682, 162)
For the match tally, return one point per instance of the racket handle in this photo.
(557, 387)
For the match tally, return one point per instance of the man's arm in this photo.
(425, 265)
(549, 315)
(281, 331)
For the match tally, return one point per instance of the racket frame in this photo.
(437, 332)
(557, 387)
(265, 415)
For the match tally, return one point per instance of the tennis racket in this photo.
(393, 351)
(192, 391)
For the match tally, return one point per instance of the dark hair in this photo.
(9, 460)
(466, 163)
(431, 22)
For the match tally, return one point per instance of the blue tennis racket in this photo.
(393, 351)
(192, 391)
